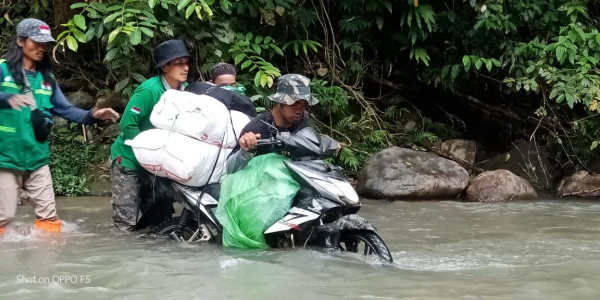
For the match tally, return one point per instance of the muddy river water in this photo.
(546, 249)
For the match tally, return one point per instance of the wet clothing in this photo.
(33, 186)
(128, 177)
(138, 199)
(124, 201)
(23, 160)
(239, 158)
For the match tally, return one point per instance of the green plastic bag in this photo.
(253, 199)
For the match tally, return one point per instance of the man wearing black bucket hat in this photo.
(172, 62)
(292, 99)
(29, 96)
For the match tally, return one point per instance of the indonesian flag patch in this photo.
(46, 86)
(44, 29)
(136, 110)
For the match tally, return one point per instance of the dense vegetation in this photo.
(403, 73)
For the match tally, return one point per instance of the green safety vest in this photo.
(19, 149)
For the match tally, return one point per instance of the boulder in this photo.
(460, 149)
(108, 98)
(499, 186)
(110, 131)
(527, 160)
(398, 173)
(580, 184)
(81, 99)
(73, 84)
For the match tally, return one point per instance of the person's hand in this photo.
(106, 114)
(339, 147)
(17, 101)
(248, 141)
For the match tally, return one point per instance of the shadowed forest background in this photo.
(388, 73)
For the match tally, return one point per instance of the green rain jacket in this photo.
(136, 118)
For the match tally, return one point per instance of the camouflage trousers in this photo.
(126, 196)
(138, 200)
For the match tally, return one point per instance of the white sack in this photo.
(240, 120)
(178, 157)
(198, 116)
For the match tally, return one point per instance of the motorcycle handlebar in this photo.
(268, 142)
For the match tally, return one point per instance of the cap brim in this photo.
(280, 98)
(42, 38)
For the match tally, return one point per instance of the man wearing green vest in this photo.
(29, 94)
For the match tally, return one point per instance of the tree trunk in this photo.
(62, 11)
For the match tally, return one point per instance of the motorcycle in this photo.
(323, 213)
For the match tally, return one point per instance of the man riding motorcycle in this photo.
(292, 99)
(274, 200)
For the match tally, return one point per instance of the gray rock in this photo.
(460, 149)
(398, 173)
(108, 98)
(110, 131)
(499, 186)
(81, 99)
(580, 184)
(527, 160)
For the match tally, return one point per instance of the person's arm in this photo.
(238, 160)
(245, 149)
(64, 109)
(329, 146)
(138, 109)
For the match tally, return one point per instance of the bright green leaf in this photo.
(238, 58)
(455, 71)
(72, 43)
(79, 22)
(135, 37)
(147, 31)
(246, 64)
(190, 10)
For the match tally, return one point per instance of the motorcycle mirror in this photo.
(273, 131)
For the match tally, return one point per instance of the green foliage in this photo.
(540, 54)
(362, 132)
(71, 159)
(13, 11)
(247, 50)
(126, 31)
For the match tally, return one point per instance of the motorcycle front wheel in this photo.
(169, 228)
(365, 242)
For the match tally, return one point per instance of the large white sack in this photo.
(198, 116)
(178, 157)
(239, 120)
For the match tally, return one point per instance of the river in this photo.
(442, 250)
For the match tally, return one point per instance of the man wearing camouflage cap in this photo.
(292, 98)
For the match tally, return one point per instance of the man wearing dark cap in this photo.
(172, 62)
(29, 96)
(223, 74)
